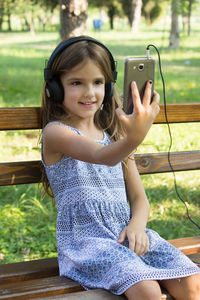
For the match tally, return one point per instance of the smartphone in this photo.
(140, 70)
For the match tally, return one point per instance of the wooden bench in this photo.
(40, 278)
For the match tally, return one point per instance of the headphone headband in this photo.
(48, 72)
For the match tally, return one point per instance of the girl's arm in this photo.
(135, 231)
(59, 140)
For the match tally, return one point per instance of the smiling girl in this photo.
(87, 146)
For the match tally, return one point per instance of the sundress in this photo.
(92, 210)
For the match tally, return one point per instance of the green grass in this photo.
(27, 221)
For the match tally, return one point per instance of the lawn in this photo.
(27, 220)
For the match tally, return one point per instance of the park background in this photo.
(27, 219)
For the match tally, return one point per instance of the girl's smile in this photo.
(84, 89)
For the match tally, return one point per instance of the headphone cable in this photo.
(170, 135)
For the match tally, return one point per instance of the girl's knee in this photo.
(194, 287)
(184, 288)
(147, 290)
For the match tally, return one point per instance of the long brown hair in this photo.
(105, 118)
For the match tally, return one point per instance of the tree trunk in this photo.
(189, 16)
(1, 14)
(135, 14)
(174, 33)
(73, 16)
(111, 15)
(9, 20)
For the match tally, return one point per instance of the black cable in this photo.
(170, 135)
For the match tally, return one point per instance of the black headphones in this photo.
(54, 89)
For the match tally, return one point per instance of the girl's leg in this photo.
(187, 288)
(144, 290)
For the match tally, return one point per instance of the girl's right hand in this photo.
(139, 122)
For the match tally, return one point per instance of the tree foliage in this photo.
(28, 11)
(112, 7)
(152, 9)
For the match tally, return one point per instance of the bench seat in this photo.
(40, 278)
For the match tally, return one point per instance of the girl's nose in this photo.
(89, 93)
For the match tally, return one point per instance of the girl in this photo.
(102, 241)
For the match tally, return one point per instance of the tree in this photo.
(113, 8)
(132, 9)
(186, 11)
(174, 32)
(73, 16)
(152, 9)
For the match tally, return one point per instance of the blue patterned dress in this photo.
(92, 210)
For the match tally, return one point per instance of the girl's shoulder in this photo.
(56, 125)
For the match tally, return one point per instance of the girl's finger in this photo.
(156, 99)
(131, 240)
(122, 236)
(155, 103)
(135, 96)
(140, 246)
(146, 246)
(147, 93)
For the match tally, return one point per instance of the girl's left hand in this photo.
(138, 239)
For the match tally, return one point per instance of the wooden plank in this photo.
(158, 162)
(195, 258)
(30, 117)
(28, 270)
(30, 171)
(188, 245)
(179, 113)
(49, 267)
(20, 118)
(18, 279)
(97, 295)
(38, 288)
(88, 295)
(20, 172)
(56, 288)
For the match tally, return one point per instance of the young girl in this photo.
(102, 238)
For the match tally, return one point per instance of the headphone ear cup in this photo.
(109, 91)
(55, 91)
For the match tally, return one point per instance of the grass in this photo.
(27, 220)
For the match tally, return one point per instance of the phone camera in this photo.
(141, 67)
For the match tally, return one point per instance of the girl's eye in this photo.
(76, 83)
(98, 82)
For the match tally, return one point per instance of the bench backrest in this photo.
(30, 118)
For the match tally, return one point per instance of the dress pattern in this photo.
(92, 210)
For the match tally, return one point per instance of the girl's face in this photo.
(84, 89)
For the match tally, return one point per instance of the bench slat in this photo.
(27, 270)
(30, 171)
(38, 288)
(188, 245)
(20, 172)
(158, 162)
(179, 113)
(30, 117)
(88, 295)
(49, 266)
(20, 118)
(56, 288)
(97, 295)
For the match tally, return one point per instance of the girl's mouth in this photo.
(88, 104)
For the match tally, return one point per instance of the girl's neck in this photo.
(87, 127)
